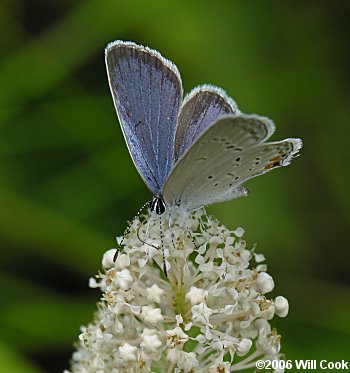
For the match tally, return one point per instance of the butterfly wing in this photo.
(229, 152)
(200, 108)
(147, 92)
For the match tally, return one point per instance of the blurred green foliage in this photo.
(68, 185)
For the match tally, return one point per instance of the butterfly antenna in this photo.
(127, 231)
(162, 247)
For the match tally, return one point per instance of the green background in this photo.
(68, 185)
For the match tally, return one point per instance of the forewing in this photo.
(227, 154)
(200, 108)
(147, 92)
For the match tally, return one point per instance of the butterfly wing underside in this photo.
(228, 153)
(200, 108)
(147, 92)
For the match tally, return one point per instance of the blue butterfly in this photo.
(191, 151)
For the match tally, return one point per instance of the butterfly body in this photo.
(190, 152)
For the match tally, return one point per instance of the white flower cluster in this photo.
(182, 296)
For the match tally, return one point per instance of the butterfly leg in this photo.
(115, 257)
(171, 231)
(162, 247)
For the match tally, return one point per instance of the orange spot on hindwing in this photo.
(276, 161)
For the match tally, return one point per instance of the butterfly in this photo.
(192, 151)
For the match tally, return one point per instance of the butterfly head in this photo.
(157, 205)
